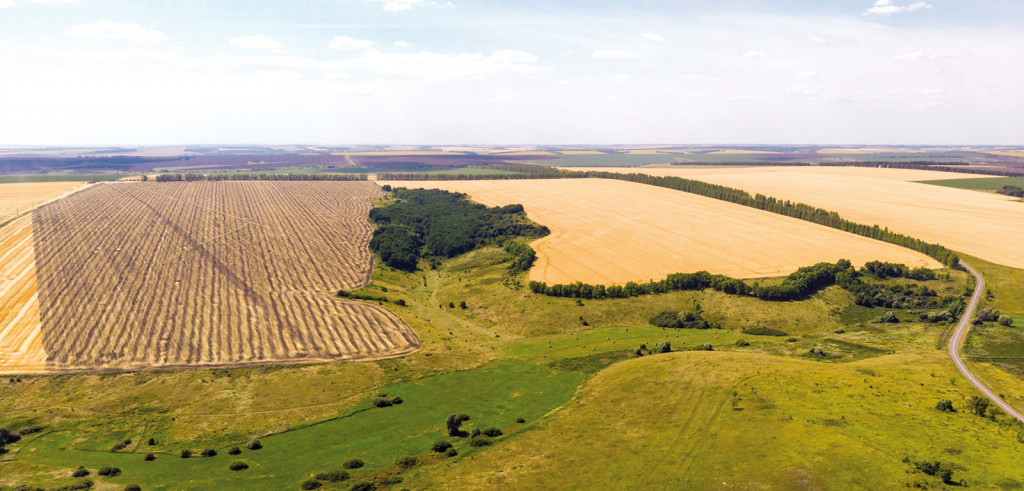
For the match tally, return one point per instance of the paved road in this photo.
(958, 340)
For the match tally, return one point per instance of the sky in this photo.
(163, 72)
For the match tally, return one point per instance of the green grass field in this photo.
(979, 184)
(699, 420)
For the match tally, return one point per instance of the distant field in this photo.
(610, 232)
(140, 275)
(690, 171)
(611, 159)
(18, 197)
(983, 225)
(16, 178)
(983, 184)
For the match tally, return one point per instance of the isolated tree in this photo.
(978, 405)
(454, 423)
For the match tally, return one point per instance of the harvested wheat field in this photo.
(611, 232)
(140, 275)
(980, 224)
(21, 343)
(20, 197)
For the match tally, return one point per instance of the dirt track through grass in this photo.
(138, 275)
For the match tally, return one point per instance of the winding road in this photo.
(957, 341)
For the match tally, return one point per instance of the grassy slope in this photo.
(698, 420)
(495, 394)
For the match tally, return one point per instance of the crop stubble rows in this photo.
(137, 275)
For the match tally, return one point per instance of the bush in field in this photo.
(451, 452)
(108, 471)
(209, 453)
(462, 305)
(520, 420)
(185, 453)
(978, 405)
(80, 472)
(441, 446)
(149, 457)
(333, 476)
(705, 347)
(945, 406)
(1005, 320)
(353, 463)
(234, 451)
(382, 402)
(406, 462)
(133, 487)
(364, 486)
(397, 400)
(663, 347)
(310, 484)
(888, 318)
(238, 465)
(742, 343)
(764, 331)
(454, 423)
(492, 431)
(480, 441)
(987, 314)
(255, 445)
(151, 441)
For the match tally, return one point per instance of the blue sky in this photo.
(103, 72)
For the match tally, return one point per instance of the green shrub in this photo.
(149, 457)
(234, 451)
(441, 446)
(311, 484)
(945, 406)
(133, 487)
(480, 441)
(333, 476)
(80, 472)
(1005, 320)
(382, 402)
(520, 420)
(397, 400)
(451, 452)
(764, 331)
(151, 441)
(491, 431)
(705, 347)
(185, 453)
(238, 465)
(406, 462)
(209, 453)
(353, 463)
(255, 445)
(108, 471)
(742, 343)
(663, 347)
(364, 486)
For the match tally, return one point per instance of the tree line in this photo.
(191, 177)
(927, 165)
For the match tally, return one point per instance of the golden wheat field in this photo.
(140, 275)
(611, 232)
(21, 344)
(980, 224)
(17, 198)
(691, 171)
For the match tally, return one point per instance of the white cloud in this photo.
(694, 95)
(913, 55)
(348, 43)
(53, 1)
(806, 75)
(6, 3)
(254, 42)
(402, 44)
(650, 36)
(933, 91)
(621, 78)
(742, 98)
(753, 54)
(615, 54)
(399, 5)
(815, 39)
(887, 7)
(108, 29)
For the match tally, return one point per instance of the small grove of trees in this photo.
(978, 405)
(435, 223)
(1012, 191)
(945, 406)
(680, 320)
